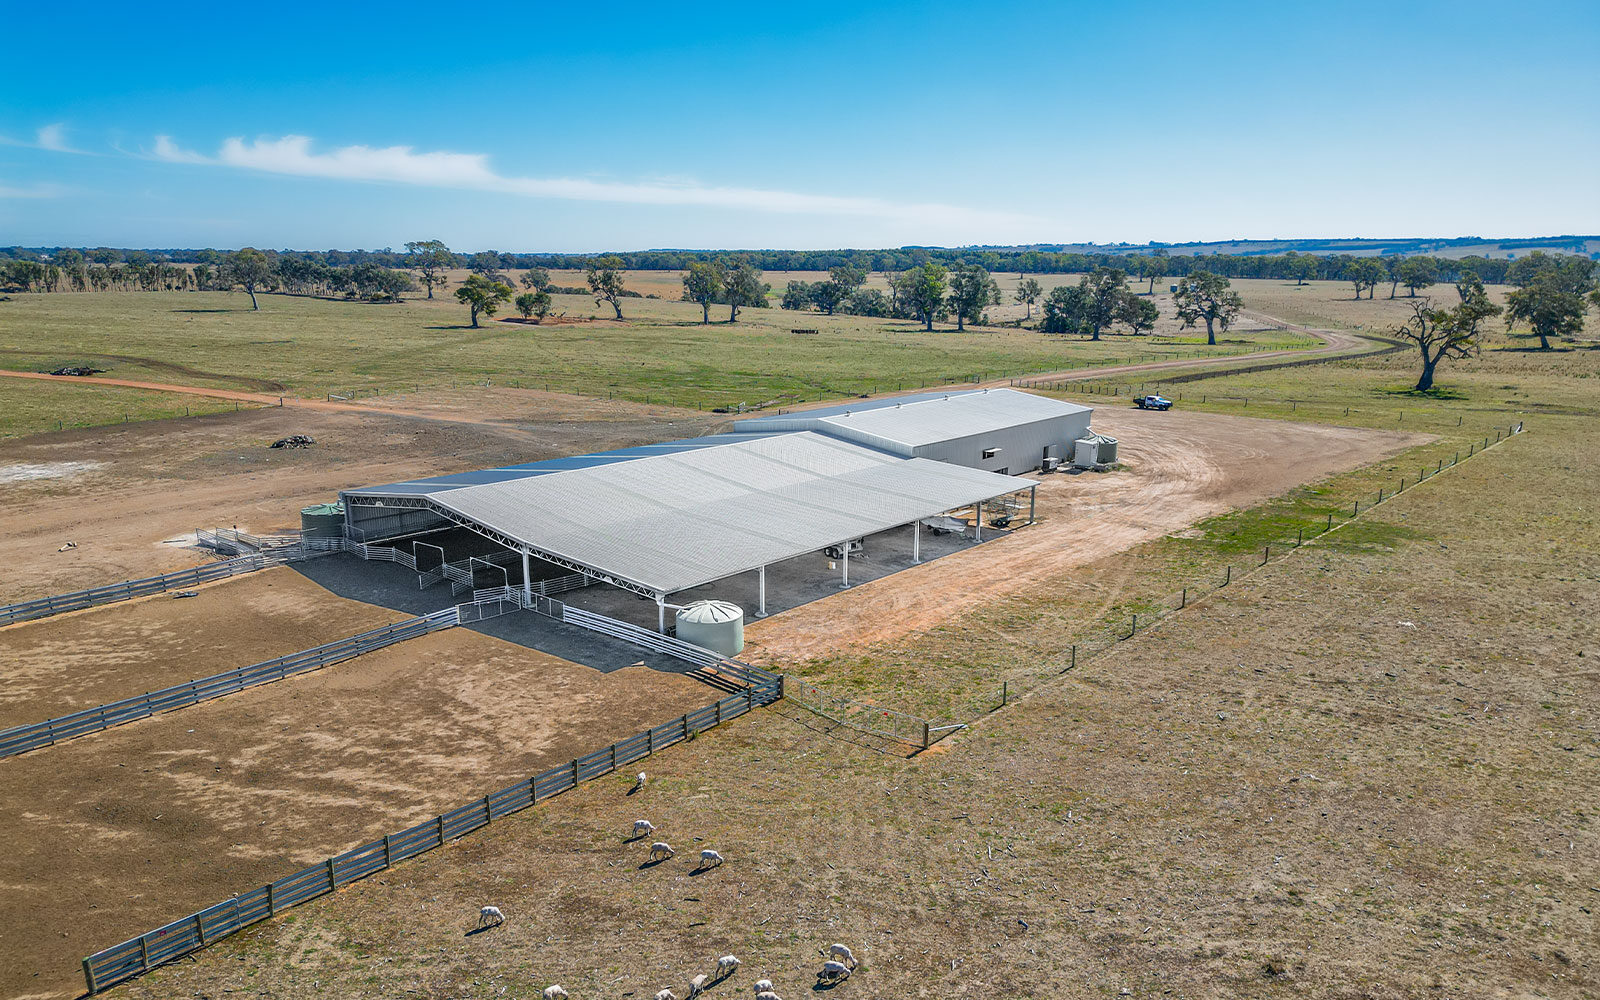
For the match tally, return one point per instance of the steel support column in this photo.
(761, 610)
(1033, 497)
(977, 520)
(846, 563)
(661, 612)
(527, 582)
(916, 541)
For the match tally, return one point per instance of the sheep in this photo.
(727, 965)
(767, 995)
(763, 986)
(697, 985)
(554, 993)
(490, 914)
(666, 995)
(638, 782)
(661, 851)
(833, 972)
(842, 954)
(710, 858)
(642, 828)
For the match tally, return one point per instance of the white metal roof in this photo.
(674, 521)
(926, 419)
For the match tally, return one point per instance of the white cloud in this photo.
(294, 155)
(54, 138)
(51, 138)
(40, 190)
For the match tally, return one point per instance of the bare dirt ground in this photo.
(1366, 771)
(156, 482)
(148, 821)
(1178, 468)
(58, 665)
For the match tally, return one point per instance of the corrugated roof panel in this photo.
(926, 418)
(675, 521)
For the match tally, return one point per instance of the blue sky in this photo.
(583, 127)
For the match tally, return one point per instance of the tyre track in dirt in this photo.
(1179, 468)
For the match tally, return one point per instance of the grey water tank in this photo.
(1105, 448)
(714, 625)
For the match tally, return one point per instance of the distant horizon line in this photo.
(1353, 242)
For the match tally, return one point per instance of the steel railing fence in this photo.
(56, 604)
(21, 739)
(138, 955)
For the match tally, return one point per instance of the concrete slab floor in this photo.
(390, 585)
(790, 583)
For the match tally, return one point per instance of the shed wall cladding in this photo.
(1021, 448)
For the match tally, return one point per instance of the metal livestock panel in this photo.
(20, 739)
(43, 607)
(133, 957)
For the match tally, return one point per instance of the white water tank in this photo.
(714, 625)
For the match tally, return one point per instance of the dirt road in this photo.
(1180, 468)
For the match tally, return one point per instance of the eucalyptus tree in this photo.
(1210, 297)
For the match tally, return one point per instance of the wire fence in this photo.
(189, 934)
(1156, 610)
(912, 730)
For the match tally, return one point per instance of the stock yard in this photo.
(1382, 731)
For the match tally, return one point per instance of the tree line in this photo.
(1152, 266)
(249, 269)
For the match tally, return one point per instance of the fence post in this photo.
(333, 879)
(574, 772)
(88, 971)
(925, 741)
(1074, 656)
(1300, 537)
(1330, 523)
(200, 929)
(613, 756)
(1183, 599)
(1005, 692)
(272, 903)
(387, 858)
(718, 705)
(440, 821)
(488, 810)
(1227, 574)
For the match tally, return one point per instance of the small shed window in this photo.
(990, 452)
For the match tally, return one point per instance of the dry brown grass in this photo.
(1365, 771)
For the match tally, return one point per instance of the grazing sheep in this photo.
(643, 828)
(727, 965)
(666, 995)
(834, 972)
(661, 850)
(697, 985)
(840, 953)
(710, 858)
(554, 993)
(490, 915)
(768, 995)
(763, 986)
(638, 782)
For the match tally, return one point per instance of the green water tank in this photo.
(323, 520)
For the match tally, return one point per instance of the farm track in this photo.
(1337, 344)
